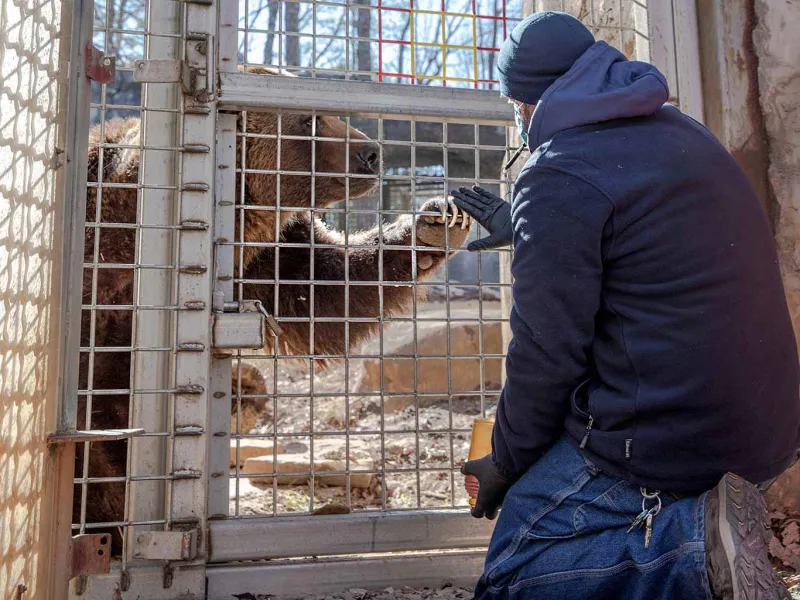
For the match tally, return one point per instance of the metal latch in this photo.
(241, 325)
(179, 71)
(89, 554)
(165, 545)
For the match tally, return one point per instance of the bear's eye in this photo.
(309, 122)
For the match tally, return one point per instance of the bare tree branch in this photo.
(274, 10)
(363, 26)
(292, 25)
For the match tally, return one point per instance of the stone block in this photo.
(249, 448)
(432, 373)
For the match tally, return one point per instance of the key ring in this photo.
(650, 496)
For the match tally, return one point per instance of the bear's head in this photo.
(345, 163)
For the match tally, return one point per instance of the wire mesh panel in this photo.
(425, 42)
(389, 349)
(146, 253)
(129, 270)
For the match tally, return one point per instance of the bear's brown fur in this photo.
(262, 224)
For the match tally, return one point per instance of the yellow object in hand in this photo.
(480, 445)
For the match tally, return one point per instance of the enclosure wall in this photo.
(29, 282)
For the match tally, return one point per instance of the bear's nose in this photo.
(368, 157)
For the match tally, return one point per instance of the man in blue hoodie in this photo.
(652, 380)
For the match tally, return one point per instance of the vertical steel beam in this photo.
(188, 454)
(154, 246)
(74, 210)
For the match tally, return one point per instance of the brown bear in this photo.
(347, 170)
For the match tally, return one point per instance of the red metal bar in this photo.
(412, 58)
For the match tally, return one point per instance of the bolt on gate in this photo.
(279, 322)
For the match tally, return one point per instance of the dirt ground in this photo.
(415, 444)
(447, 593)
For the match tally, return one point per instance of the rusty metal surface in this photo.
(99, 67)
(90, 554)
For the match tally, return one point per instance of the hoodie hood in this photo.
(601, 85)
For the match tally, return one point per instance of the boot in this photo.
(737, 536)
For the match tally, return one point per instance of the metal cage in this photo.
(279, 321)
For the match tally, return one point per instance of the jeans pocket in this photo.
(602, 503)
(554, 521)
(616, 507)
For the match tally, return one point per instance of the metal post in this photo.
(74, 209)
(152, 369)
(187, 492)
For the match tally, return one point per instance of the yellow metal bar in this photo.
(444, 42)
(475, 48)
(411, 18)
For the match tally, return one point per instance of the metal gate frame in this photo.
(439, 546)
(359, 543)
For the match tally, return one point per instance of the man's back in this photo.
(694, 357)
(649, 320)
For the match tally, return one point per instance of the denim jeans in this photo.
(563, 534)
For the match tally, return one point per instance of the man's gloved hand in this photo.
(489, 210)
(493, 486)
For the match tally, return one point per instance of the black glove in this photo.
(489, 210)
(493, 486)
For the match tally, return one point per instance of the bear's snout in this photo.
(366, 159)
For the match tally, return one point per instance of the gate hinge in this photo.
(89, 554)
(240, 325)
(166, 545)
(195, 81)
(99, 67)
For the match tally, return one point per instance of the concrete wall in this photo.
(29, 67)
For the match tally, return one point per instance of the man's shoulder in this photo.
(611, 153)
(562, 158)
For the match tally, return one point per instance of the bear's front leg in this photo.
(353, 286)
(437, 235)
